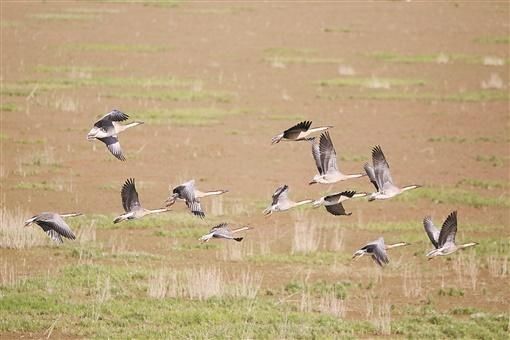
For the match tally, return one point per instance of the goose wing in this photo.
(340, 196)
(281, 194)
(337, 209)
(112, 143)
(381, 169)
(130, 201)
(378, 251)
(328, 153)
(431, 230)
(371, 175)
(317, 155)
(222, 230)
(186, 191)
(55, 226)
(219, 226)
(294, 131)
(449, 230)
(107, 120)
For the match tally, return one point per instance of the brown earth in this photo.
(224, 45)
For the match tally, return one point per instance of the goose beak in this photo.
(312, 182)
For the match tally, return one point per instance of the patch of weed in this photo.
(369, 82)
(110, 47)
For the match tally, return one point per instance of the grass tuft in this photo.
(110, 47)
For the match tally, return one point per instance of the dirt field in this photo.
(213, 82)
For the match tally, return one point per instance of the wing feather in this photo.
(297, 129)
(113, 145)
(431, 230)
(328, 153)
(130, 201)
(449, 230)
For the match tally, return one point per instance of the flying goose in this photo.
(282, 202)
(131, 204)
(444, 240)
(222, 230)
(298, 132)
(380, 177)
(333, 202)
(107, 128)
(186, 191)
(377, 249)
(325, 159)
(54, 225)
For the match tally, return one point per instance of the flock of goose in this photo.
(109, 126)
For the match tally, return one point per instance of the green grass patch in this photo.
(25, 89)
(36, 160)
(111, 301)
(370, 82)
(449, 139)
(44, 186)
(483, 184)
(110, 47)
(303, 60)
(99, 301)
(493, 40)
(9, 107)
(493, 160)
(64, 16)
(296, 55)
(319, 288)
(109, 82)
(176, 95)
(69, 69)
(454, 196)
(161, 221)
(426, 58)
(436, 325)
(469, 96)
(9, 24)
(90, 10)
(188, 116)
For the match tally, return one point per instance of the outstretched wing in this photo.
(381, 168)
(130, 201)
(339, 196)
(449, 230)
(222, 230)
(328, 153)
(294, 131)
(371, 175)
(281, 194)
(337, 209)
(378, 251)
(112, 143)
(186, 191)
(317, 155)
(55, 226)
(219, 226)
(107, 120)
(431, 230)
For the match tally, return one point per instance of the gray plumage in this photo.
(222, 230)
(54, 225)
(380, 176)
(186, 191)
